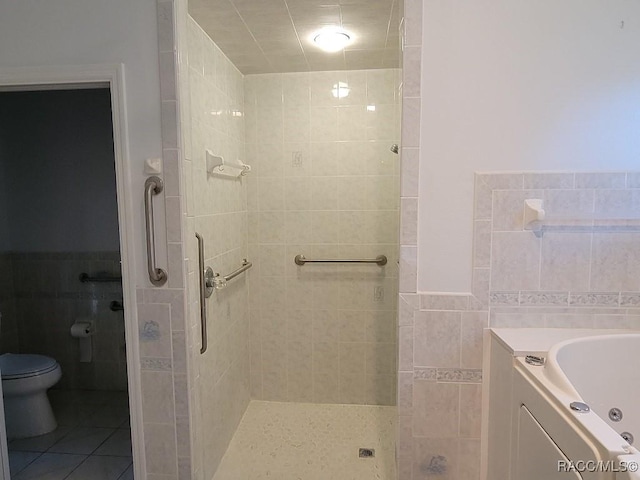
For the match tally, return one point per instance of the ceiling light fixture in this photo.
(332, 39)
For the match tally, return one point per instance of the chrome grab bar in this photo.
(99, 278)
(221, 281)
(152, 186)
(380, 260)
(206, 288)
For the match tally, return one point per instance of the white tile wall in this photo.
(218, 211)
(325, 185)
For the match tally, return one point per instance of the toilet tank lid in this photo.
(21, 365)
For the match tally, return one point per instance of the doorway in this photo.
(63, 253)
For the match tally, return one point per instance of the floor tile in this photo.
(82, 440)
(117, 444)
(107, 416)
(41, 443)
(19, 460)
(73, 414)
(128, 474)
(101, 468)
(50, 466)
(311, 441)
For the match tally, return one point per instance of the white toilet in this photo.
(25, 380)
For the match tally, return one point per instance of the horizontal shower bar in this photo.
(246, 265)
(220, 281)
(86, 278)
(380, 260)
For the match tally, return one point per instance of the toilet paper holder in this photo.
(83, 331)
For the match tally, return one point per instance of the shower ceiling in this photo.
(267, 36)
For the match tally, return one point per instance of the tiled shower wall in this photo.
(579, 273)
(324, 184)
(216, 209)
(8, 312)
(48, 297)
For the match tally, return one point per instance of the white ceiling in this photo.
(267, 36)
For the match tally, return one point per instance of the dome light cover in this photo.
(332, 39)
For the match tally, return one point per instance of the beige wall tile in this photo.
(508, 208)
(469, 459)
(617, 203)
(405, 348)
(154, 330)
(515, 261)
(380, 358)
(600, 180)
(157, 397)
(352, 388)
(160, 449)
(435, 457)
(326, 388)
(380, 389)
(471, 333)
(568, 204)
(340, 198)
(615, 261)
(409, 221)
(565, 261)
(470, 410)
(437, 339)
(549, 180)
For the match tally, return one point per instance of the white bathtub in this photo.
(530, 428)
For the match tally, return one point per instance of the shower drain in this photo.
(366, 453)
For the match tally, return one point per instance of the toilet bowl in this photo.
(25, 380)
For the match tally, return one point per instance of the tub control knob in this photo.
(579, 407)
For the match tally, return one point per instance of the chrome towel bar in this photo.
(153, 186)
(380, 260)
(220, 281)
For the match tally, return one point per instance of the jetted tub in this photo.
(575, 416)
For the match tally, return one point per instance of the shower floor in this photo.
(290, 441)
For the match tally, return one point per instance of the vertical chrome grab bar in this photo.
(203, 305)
(205, 276)
(152, 186)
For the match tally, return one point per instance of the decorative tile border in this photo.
(564, 299)
(459, 375)
(448, 375)
(594, 299)
(504, 298)
(422, 373)
(544, 298)
(629, 299)
(156, 364)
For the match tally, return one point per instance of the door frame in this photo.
(110, 76)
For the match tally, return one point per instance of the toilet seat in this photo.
(14, 366)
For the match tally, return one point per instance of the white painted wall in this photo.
(59, 171)
(78, 32)
(516, 85)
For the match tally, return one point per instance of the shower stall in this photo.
(289, 178)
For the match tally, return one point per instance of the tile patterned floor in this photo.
(291, 441)
(92, 441)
